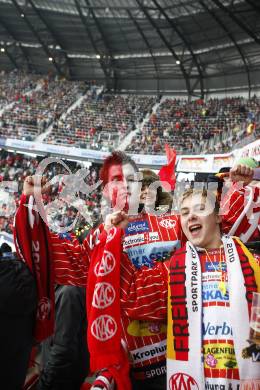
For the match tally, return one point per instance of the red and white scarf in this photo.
(103, 310)
(184, 361)
(32, 243)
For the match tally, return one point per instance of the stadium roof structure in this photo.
(184, 46)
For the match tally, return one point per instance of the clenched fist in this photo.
(32, 182)
(117, 219)
(242, 173)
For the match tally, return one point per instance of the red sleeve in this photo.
(70, 259)
(241, 212)
(231, 207)
(144, 291)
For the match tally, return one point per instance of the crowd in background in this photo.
(86, 116)
(101, 121)
(191, 126)
(15, 167)
(14, 86)
(31, 114)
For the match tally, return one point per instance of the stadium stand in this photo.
(31, 114)
(14, 85)
(81, 78)
(15, 167)
(101, 121)
(210, 127)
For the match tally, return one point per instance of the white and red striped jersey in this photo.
(148, 239)
(242, 214)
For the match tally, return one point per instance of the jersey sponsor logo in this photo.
(134, 240)
(168, 223)
(137, 227)
(103, 296)
(180, 381)
(104, 327)
(149, 352)
(43, 309)
(148, 261)
(220, 355)
(143, 328)
(154, 236)
(211, 293)
(106, 265)
(211, 276)
(216, 330)
(216, 266)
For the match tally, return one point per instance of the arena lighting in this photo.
(22, 15)
(2, 49)
(98, 56)
(50, 59)
(178, 62)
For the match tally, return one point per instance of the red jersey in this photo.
(244, 220)
(148, 239)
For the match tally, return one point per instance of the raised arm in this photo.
(240, 207)
(69, 259)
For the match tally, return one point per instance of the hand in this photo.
(31, 182)
(117, 219)
(241, 173)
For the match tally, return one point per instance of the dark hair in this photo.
(5, 248)
(115, 158)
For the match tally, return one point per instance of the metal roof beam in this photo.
(92, 40)
(11, 58)
(255, 6)
(231, 37)
(187, 45)
(147, 44)
(14, 37)
(236, 20)
(104, 39)
(106, 44)
(44, 46)
(54, 36)
(168, 45)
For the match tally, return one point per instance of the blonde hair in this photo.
(206, 194)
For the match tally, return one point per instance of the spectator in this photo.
(196, 355)
(18, 301)
(65, 355)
